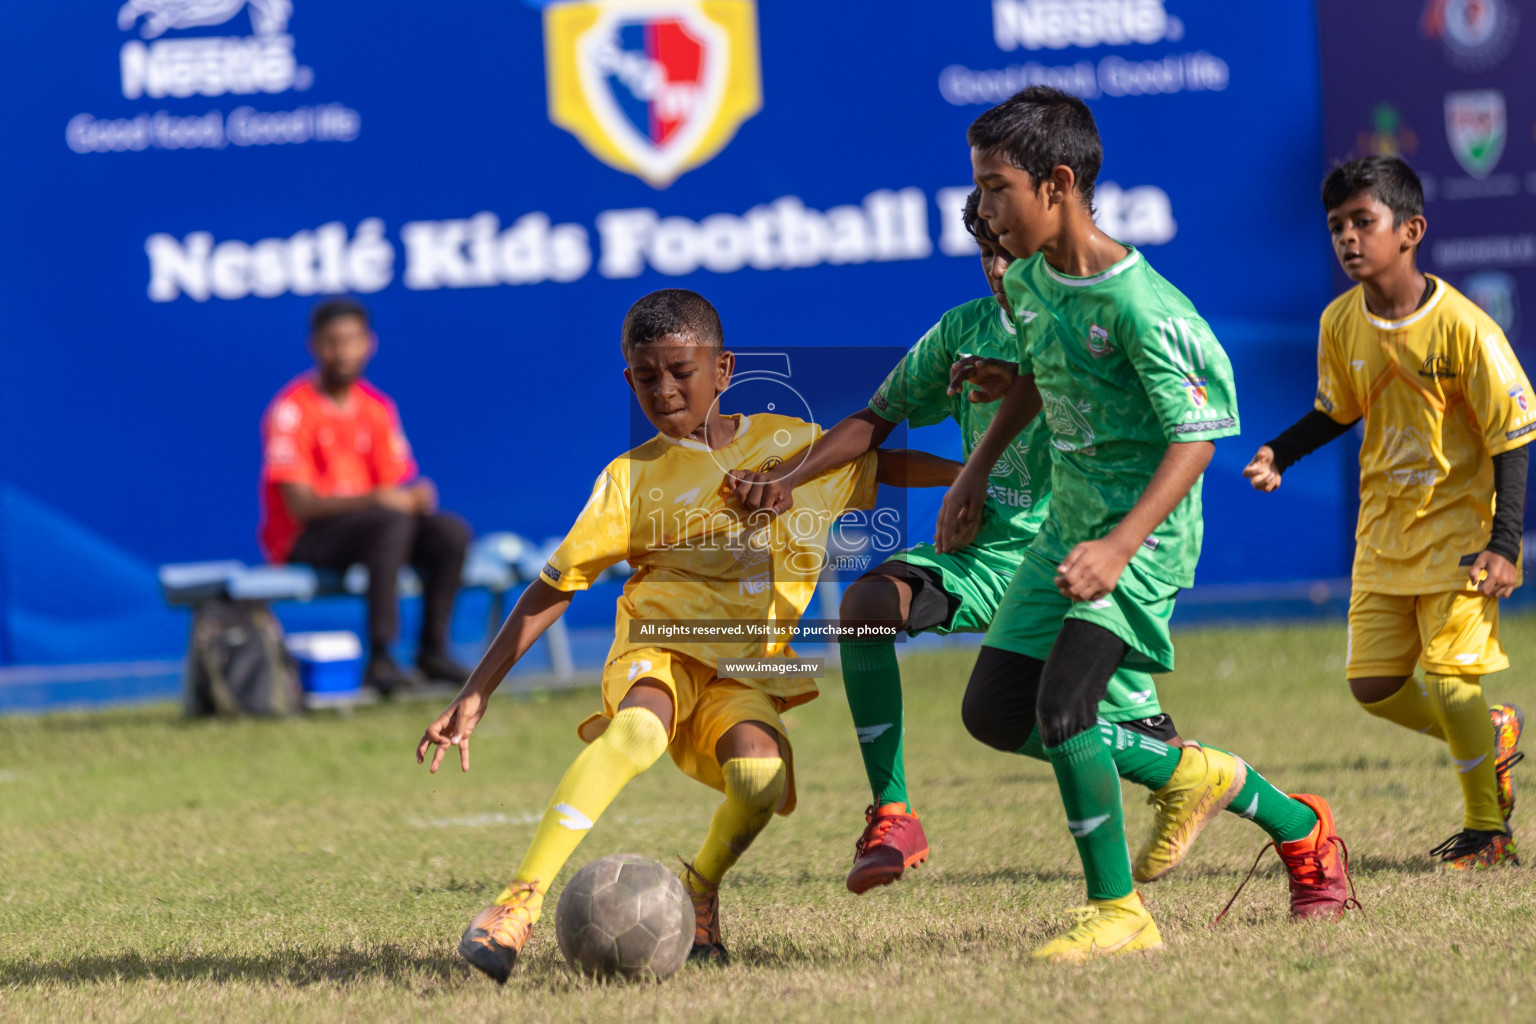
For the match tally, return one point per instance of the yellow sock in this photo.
(1409, 707)
(753, 786)
(1463, 714)
(632, 743)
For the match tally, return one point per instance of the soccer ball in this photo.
(624, 915)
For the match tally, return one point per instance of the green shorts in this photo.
(1137, 611)
(979, 582)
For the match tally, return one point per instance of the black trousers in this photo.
(1010, 694)
(386, 541)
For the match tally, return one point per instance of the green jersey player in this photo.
(1134, 388)
(957, 590)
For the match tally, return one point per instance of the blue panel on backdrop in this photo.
(186, 179)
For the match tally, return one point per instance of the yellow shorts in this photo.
(706, 708)
(1452, 633)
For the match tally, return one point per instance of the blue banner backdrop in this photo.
(500, 180)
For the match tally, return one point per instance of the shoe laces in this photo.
(1309, 870)
(706, 900)
(876, 828)
(1503, 767)
(1464, 843)
(1082, 916)
(1165, 809)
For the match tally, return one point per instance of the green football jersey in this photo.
(916, 391)
(1125, 366)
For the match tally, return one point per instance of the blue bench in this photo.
(497, 562)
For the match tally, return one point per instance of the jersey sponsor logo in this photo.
(1518, 394)
(1437, 367)
(552, 572)
(1195, 388)
(652, 89)
(1476, 34)
(1098, 341)
(1068, 422)
(1010, 497)
(1475, 128)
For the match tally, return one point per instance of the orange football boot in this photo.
(893, 841)
(498, 933)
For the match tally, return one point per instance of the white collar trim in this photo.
(1002, 314)
(1411, 318)
(1085, 282)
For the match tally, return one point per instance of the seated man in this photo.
(339, 488)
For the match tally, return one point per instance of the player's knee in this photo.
(756, 782)
(980, 713)
(871, 599)
(638, 734)
(1063, 716)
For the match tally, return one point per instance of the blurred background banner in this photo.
(500, 180)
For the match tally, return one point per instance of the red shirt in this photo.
(339, 450)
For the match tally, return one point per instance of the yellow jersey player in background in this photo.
(1448, 413)
(666, 507)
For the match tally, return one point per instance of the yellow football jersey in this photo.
(697, 554)
(1441, 393)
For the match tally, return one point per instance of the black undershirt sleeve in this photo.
(1509, 469)
(1306, 436)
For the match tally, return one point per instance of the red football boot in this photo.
(1318, 866)
(893, 841)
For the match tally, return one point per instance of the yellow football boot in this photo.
(1104, 928)
(1202, 786)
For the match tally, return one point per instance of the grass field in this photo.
(153, 869)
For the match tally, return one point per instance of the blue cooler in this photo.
(330, 664)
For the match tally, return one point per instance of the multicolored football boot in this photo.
(1508, 723)
(1201, 787)
(707, 947)
(1104, 928)
(498, 933)
(1318, 866)
(1473, 849)
(893, 841)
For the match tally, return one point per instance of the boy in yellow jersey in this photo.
(666, 508)
(1448, 414)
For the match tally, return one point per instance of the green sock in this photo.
(873, 681)
(1283, 818)
(1090, 793)
(1140, 759)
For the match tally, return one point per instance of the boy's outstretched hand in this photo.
(452, 729)
(991, 378)
(1494, 575)
(1260, 471)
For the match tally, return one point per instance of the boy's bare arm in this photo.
(1093, 568)
(906, 467)
(772, 488)
(960, 513)
(536, 610)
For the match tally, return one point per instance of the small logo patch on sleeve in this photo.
(551, 572)
(1511, 435)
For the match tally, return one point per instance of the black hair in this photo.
(1386, 178)
(973, 222)
(671, 312)
(1039, 129)
(335, 309)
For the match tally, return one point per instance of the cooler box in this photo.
(329, 663)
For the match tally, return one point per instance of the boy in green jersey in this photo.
(1134, 388)
(961, 589)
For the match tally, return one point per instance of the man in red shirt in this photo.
(340, 488)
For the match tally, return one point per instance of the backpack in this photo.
(237, 664)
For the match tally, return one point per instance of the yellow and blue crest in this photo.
(652, 87)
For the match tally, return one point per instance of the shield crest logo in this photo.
(1475, 128)
(650, 87)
